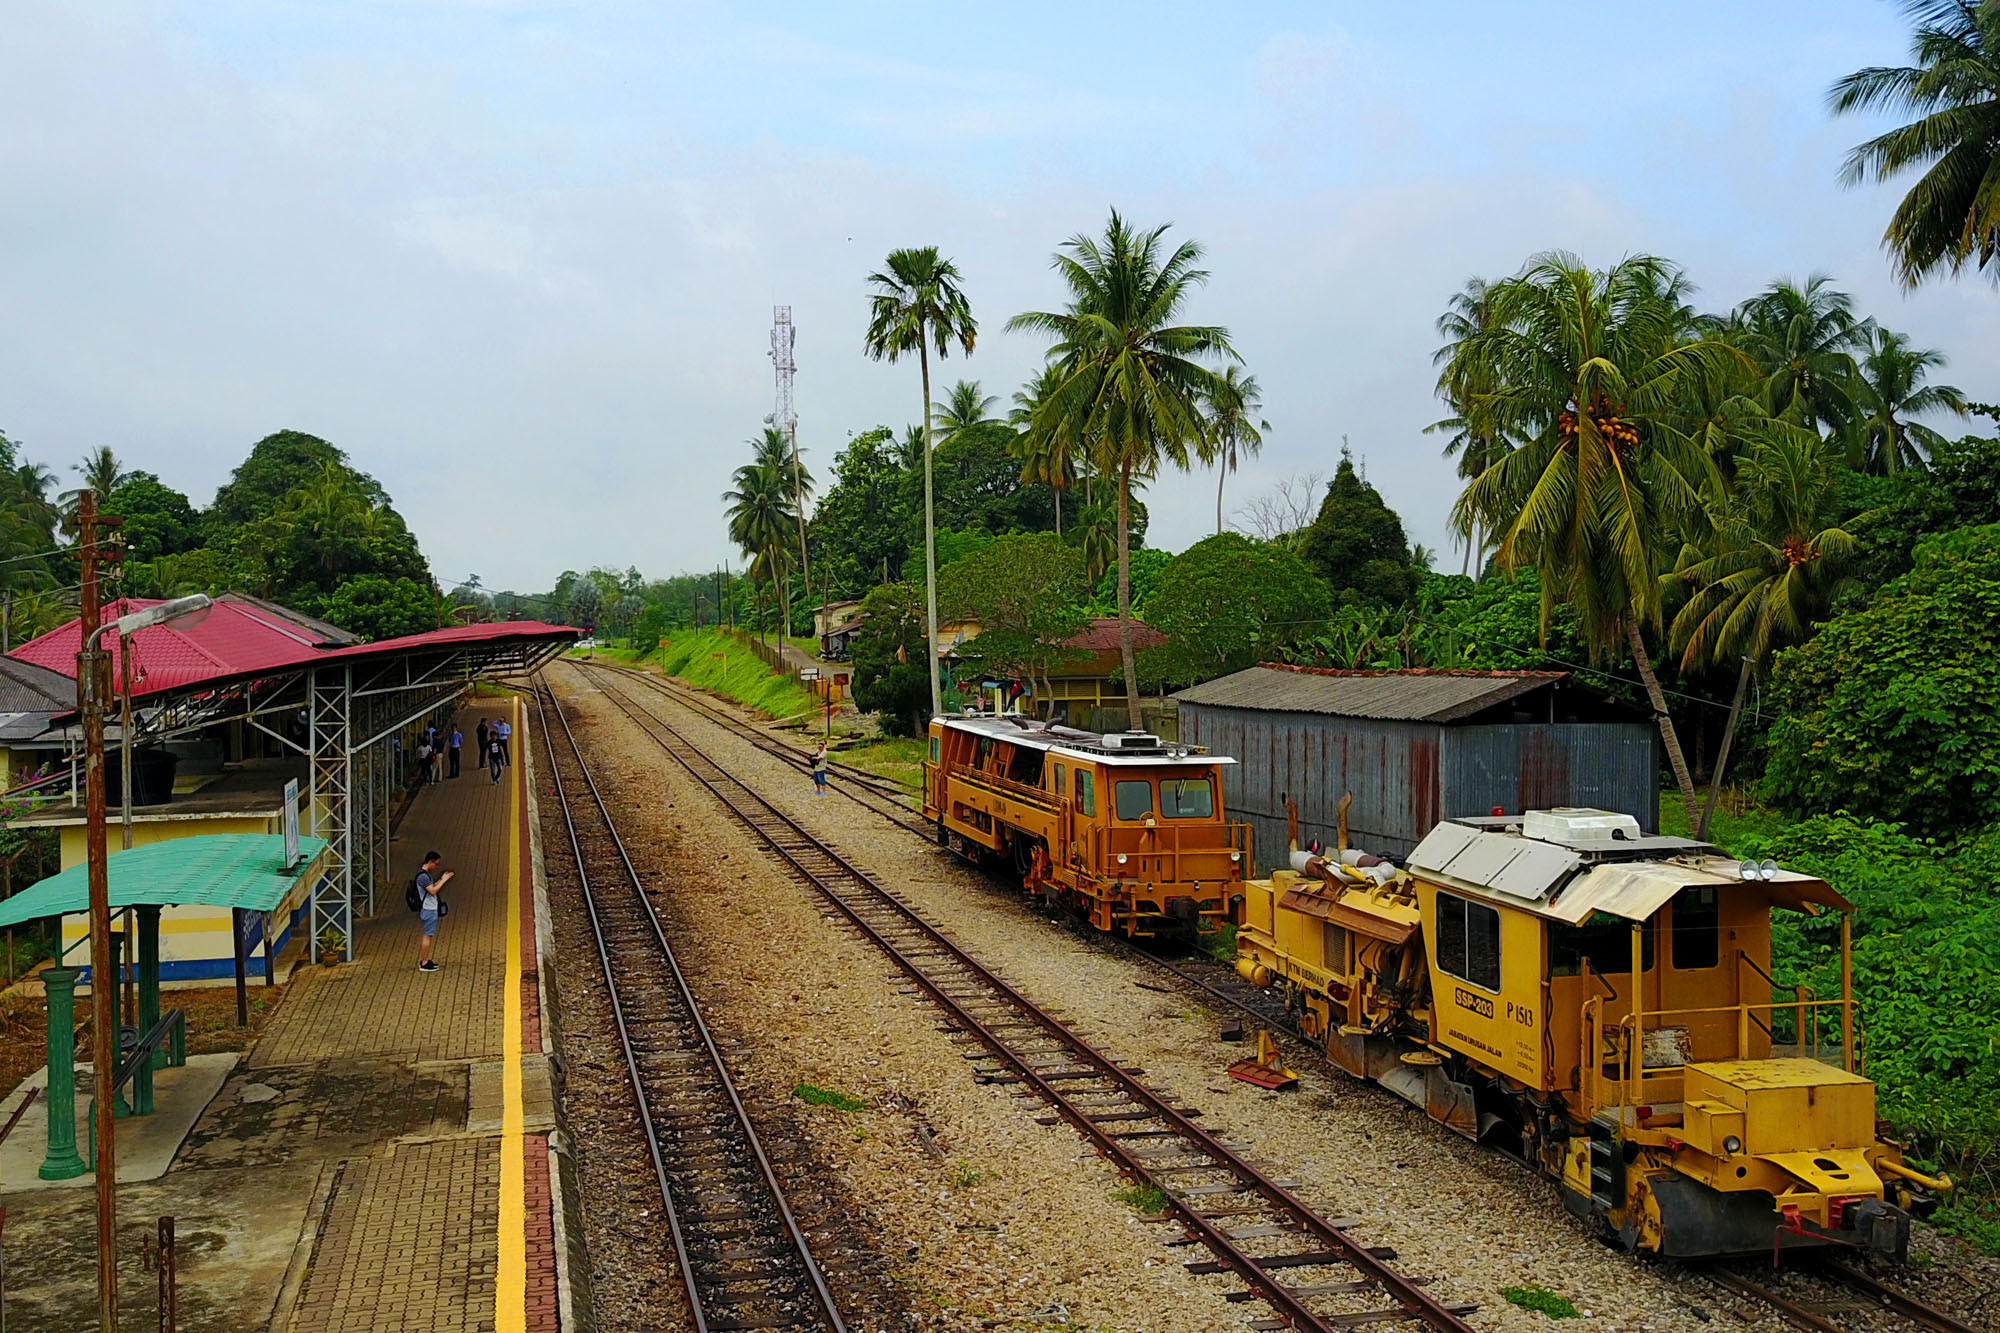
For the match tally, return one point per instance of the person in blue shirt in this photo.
(430, 883)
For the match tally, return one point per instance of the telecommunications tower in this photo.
(786, 420)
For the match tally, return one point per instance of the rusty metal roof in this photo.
(1402, 696)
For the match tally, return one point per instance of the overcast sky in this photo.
(519, 259)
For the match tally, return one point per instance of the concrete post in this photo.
(61, 1161)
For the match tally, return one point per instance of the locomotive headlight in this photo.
(1732, 1145)
(1236, 856)
(1121, 858)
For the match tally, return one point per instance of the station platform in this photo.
(380, 1158)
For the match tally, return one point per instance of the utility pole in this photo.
(92, 683)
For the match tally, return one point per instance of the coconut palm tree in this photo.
(1235, 431)
(1888, 392)
(1951, 216)
(962, 408)
(1584, 369)
(1768, 573)
(1097, 539)
(1804, 336)
(761, 523)
(917, 306)
(101, 472)
(1133, 381)
(1051, 457)
(780, 449)
(1476, 449)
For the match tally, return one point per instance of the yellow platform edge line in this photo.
(510, 1287)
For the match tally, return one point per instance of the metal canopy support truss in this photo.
(332, 690)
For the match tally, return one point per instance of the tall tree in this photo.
(1583, 368)
(917, 305)
(761, 523)
(778, 449)
(1804, 335)
(1475, 447)
(1951, 216)
(99, 471)
(1235, 431)
(1133, 381)
(1769, 572)
(963, 408)
(1888, 392)
(1049, 458)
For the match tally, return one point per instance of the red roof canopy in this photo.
(238, 639)
(1101, 635)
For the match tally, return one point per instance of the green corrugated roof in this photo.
(213, 870)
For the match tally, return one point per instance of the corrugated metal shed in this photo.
(1407, 696)
(1434, 745)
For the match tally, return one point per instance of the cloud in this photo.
(522, 267)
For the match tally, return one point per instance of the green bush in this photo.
(1926, 964)
(1895, 710)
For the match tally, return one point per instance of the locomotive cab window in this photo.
(1186, 798)
(1468, 941)
(934, 749)
(1134, 798)
(1604, 939)
(1086, 791)
(1697, 927)
(1060, 774)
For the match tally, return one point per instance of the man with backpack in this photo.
(422, 897)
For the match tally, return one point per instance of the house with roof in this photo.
(1414, 748)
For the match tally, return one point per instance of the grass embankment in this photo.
(714, 661)
(1926, 971)
(898, 758)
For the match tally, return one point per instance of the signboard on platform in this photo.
(291, 824)
(808, 673)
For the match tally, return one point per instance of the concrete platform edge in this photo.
(573, 1302)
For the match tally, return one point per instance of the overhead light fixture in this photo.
(180, 613)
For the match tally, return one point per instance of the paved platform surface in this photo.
(380, 1158)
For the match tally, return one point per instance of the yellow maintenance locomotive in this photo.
(1122, 828)
(1600, 1001)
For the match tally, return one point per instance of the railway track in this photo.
(1837, 1280)
(743, 1255)
(1287, 1254)
(1220, 983)
(870, 790)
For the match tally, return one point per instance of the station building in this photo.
(231, 718)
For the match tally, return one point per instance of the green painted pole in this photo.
(61, 1162)
(120, 1108)
(149, 1004)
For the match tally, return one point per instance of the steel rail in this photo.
(545, 702)
(1798, 1314)
(759, 816)
(875, 784)
(1907, 1306)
